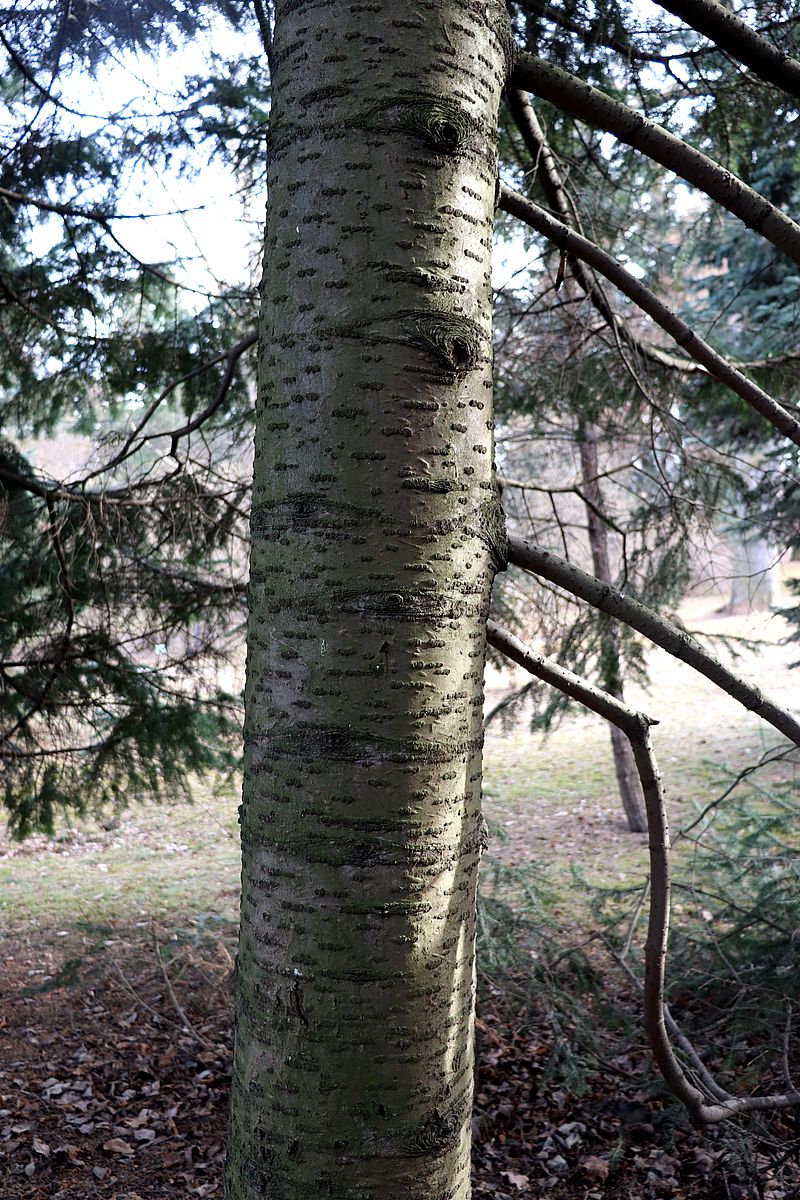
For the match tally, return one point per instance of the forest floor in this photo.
(117, 943)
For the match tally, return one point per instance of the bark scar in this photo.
(297, 1001)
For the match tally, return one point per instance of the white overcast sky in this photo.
(216, 241)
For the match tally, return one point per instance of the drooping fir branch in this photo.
(636, 726)
(76, 491)
(587, 103)
(137, 439)
(543, 161)
(733, 35)
(652, 625)
(716, 365)
(594, 37)
(65, 586)
(91, 712)
(99, 215)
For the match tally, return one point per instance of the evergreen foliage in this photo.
(733, 955)
(122, 584)
(123, 348)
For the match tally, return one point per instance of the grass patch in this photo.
(554, 798)
(154, 861)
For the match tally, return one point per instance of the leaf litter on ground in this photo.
(104, 1090)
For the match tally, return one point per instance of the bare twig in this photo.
(185, 1022)
(656, 1018)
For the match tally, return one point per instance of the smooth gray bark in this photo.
(376, 533)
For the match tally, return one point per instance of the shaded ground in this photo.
(105, 1091)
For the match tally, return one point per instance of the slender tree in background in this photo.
(610, 676)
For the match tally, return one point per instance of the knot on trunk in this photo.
(438, 122)
(438, 1130)
(454, 340)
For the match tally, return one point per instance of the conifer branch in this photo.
(587, 103)
(733, 35)
(658, 1022)
(660, 631)
(265, 29)
(544, 163)
(98, 215)
(714, 363)
(593, 37)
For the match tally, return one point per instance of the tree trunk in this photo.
(376, 532)
(630, 789)
(753, 573)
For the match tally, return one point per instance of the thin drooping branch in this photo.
(84, 214)
(657, 629)
(589, 104)
(636, 726)
(134, 441)
(544, 163)
(735, 37)
(610, 658)
(572, 685)
(234, 354)
(591, 38)
(536, 144)
(716, 365)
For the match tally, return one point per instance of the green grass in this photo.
(554, 798)
(159, 860)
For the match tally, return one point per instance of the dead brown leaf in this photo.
(594, 1168)
(118, 1146)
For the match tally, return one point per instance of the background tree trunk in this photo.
(376, 532)
(630, 789)
(753, 573)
